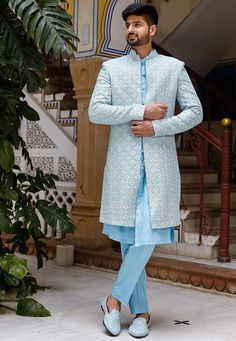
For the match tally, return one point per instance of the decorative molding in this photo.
(200, 276)
(187, 273)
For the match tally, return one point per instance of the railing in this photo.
(198, 136)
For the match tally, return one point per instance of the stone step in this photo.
(212, 195)
(187, 159)
(189, 250)
(209, 249)
(192, 175)
(209, 198)
(233, 234)
(191, 224)
(232, 248)
(195, 250)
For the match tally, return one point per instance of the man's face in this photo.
(138, 32)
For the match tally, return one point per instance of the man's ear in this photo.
(153, 29)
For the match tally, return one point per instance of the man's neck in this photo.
(143, 51)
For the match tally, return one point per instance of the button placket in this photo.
(143, 97)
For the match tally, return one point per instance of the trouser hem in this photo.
(139, 310)
(120, 298)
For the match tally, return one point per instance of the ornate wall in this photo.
(44, 153)
(100, 27)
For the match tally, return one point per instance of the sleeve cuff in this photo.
(137, 113)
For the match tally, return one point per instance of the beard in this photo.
(136, 41)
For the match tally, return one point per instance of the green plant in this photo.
(29, 31)
(14, 275)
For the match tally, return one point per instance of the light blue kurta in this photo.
(142, 233)
(116, 101)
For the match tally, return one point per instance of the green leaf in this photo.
(7, 192)
(15, 42)
(10, 280)
(23, 6)
(18, 269)
(29, 287)
(25, 153)
(53, 214)
(7, 158)
(5, 221)
(2, 294)
(32, 221)
(28, 112)
(14, 266)
(21, 235)
(27, 15)
(30, 307)
(46, 19)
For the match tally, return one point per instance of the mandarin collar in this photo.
(135, 56)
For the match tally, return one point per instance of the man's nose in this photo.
(130, 29)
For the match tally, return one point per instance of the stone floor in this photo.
(73, 296)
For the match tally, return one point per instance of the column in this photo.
(91, 154)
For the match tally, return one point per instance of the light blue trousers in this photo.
(130, 286)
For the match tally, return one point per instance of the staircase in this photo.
(57, 99)
(190, 176)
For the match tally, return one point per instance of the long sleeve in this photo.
(191, 113)
(101, 110)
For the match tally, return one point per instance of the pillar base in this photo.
(224, 259)
(88, 234)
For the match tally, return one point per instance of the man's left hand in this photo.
(142, 128)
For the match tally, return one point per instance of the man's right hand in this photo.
(155, 111)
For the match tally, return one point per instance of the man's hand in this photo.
(155, 111)
(142, 128)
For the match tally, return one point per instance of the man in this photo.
(136, 96)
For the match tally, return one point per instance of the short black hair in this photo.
(146, 10)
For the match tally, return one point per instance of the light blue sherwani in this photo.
(116, 101)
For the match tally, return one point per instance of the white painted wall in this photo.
(171, 14)
(205, 36)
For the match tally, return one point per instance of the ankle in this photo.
(144, 315)
(113, 303)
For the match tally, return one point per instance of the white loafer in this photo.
(139, 327)
(111, 320)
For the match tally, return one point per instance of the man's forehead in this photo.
(135, 18)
